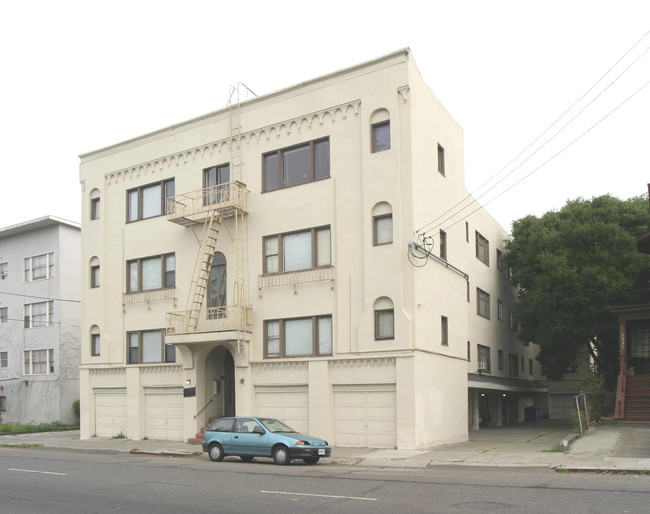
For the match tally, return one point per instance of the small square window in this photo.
(381, 136)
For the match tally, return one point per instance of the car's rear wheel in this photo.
(311, 460)
(246, 458)
(216, 452)
(281, 455)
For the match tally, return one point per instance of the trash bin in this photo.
(533, 413)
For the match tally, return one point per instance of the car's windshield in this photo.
(275, 425)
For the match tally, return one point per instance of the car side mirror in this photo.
(258, 430)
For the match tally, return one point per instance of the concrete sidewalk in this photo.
(611, 446)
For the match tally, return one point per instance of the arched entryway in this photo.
(220, 382)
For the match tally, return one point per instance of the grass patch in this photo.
(555, 449)
(119, 436)
(196, 454)
(24, 445)
(42, 427)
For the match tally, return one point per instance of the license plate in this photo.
(321, 452)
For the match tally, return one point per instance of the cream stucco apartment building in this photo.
(263, 260)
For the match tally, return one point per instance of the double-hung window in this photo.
(482, 303)
(4, 270)
(297, 251)
(39, 267)
(384, 324)
(381, 136)
(39, 314)
(296, 165)
(39, 362)
(216, 182)
(484, 358)
(4, 314)
(482, 249)
(4, 360)
(148, 346)
(298, 337)
(149, 201)
(382, 229)
(151, 273)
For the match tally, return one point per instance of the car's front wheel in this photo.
(311, 460)
(281, 455)
(216, 453)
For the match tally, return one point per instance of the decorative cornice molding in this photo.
(382, 362)
(404, 92)
(280, 366)
(277, 130)
(107, 371)
(160, 370)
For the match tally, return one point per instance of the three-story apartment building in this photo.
(270, 258)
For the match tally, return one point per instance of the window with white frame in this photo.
(482, 249)
(149, 201)
(39, 362)
(484, 363)
(39, 314)
(298, 337)
(383, 230)
(482, 303)
(4, 270)
(95, 341)
(4, 359)
(297, 251)
(39, 267)
(146, 274)
(384, 319)
(148, 346)
(4, 314)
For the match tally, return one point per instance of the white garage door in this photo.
(561, 405)
(110, 412)
(365, 415)
(164, 413)
(286, 403)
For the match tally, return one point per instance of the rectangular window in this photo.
(482, 303)
(4, 359)
(381, 136)
(94, 276)
(149, 201)
(3, 403)
(512, 323)
(151, 273)
(298, 337)
(482, 249)
(383, 230)
(513, 365)
(296, 165)
(467, 231)
(216, 184)
(39, 314)
(4, 270)
(297, 251)
(39, 362)
(469, 350)
(94, 344)
(443, 245)
(148, 346)
(522, 364)
(441, 160)
(444, 331)
(94, 208)
(499, 260)
(639, 338)
(530, 366)
(4, 314)
(484, 358)
(384, 324)
(500, 310)
(500, 359)
(39, 267)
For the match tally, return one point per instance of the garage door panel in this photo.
(286, 403)
(110, 413)
(164, 415)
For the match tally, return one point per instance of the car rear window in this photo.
(222, 425)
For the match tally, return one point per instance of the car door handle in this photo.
(236, 437)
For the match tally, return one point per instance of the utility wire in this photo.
(41, 297)
(539, 137)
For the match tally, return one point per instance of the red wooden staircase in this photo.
(198, 439)
(637, 398)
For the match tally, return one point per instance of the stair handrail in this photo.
(204, 407)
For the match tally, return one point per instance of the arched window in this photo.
(217, 288)
(94, 272)
(382, 224)
(380, 130)
(95, 347)
(384, 319)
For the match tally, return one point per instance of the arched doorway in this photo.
(220, 381)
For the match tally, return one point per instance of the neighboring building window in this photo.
(4, 270)
(296, 165)
(149, 201)
(151, 273)
(500, 310)
(297, 251)
(639, 338)
(3, 403)
(216, 184)
(441, 160)
(39, 267)
(500, 359)
(298, 337)
(4, 359)
(443, 245)
(4, 314)
(499, 260)
(94, 276)
(39, 362)
(39, 314)
(94, 208)
(530, 366)
(383, 229)
(513, 365)
(148, 346)
(444, 329)
(384, 324)
(482, 249)
(94, 345)
(482, 303)
(484, 358)
(381, 136)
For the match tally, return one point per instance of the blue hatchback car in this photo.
(261, 437)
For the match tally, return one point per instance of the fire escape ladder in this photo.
(202, 269)
(235, 132)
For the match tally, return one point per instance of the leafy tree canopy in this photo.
(570, 266)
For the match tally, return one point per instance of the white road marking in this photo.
(35, 471)
(321, 495)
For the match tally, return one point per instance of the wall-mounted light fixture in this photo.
(188, 382)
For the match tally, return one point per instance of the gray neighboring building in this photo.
(40, 319)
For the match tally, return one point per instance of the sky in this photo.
(78, 76)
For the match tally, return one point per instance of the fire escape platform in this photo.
(188, 209)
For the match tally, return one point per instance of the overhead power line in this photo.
(40, 297)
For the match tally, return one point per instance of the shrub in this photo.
(595, 385)
(76, 408)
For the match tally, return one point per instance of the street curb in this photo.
(160, 453)
(600, 469)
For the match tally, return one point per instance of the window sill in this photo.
(291, 278)
(168, 293)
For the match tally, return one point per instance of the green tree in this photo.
(570, 266)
